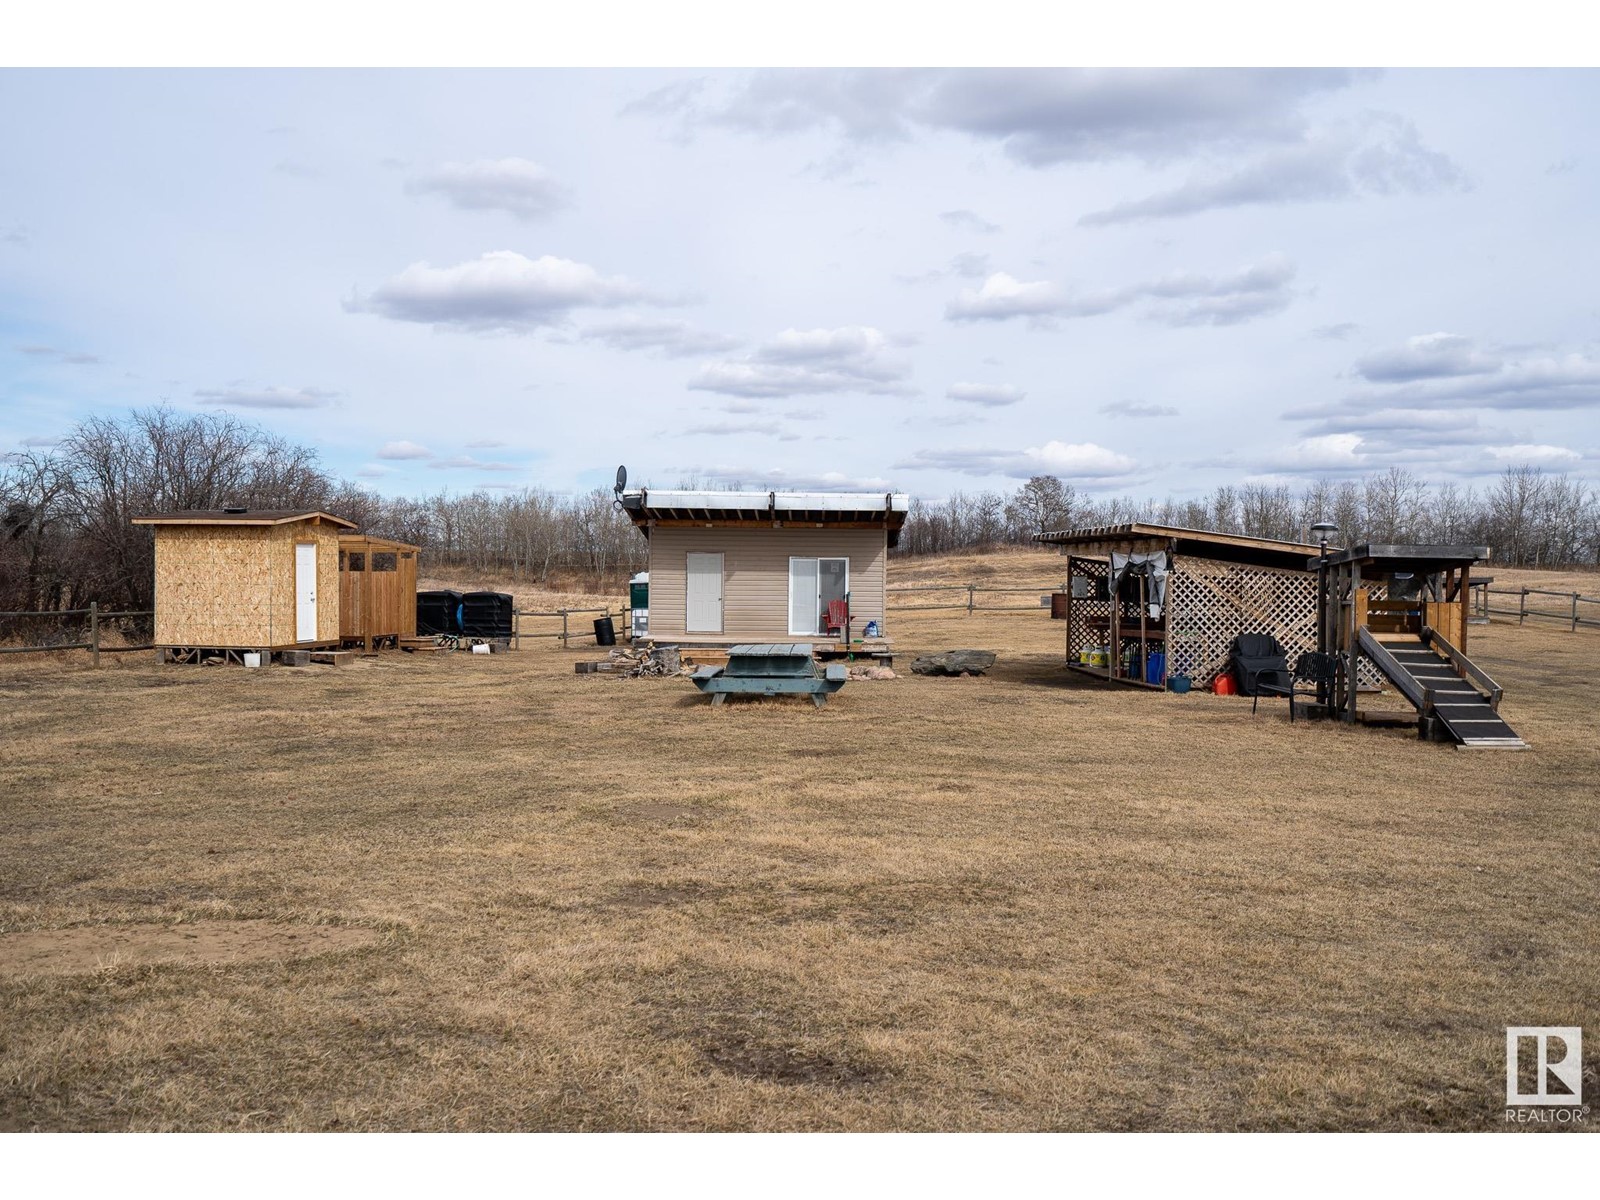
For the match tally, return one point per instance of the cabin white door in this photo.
(305, 592)
(703, 601)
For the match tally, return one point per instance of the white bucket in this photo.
(252, 658)
(480, 648)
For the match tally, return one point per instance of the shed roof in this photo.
(1203, 543)
(352, 536)
(648, 507)
(246, 516)
(1408, 557)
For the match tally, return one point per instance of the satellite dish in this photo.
(622, 479)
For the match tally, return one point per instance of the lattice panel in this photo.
(1209, 603)
(1079, 636)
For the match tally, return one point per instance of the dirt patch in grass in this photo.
(97, 947)
(748, 1027)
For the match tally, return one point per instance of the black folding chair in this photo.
(1311, 671)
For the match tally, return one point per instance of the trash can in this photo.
(605, 633)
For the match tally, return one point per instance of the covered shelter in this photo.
(770, 566)
(238, 579)
(1146, 600)
(1403, 611)
(377, 590)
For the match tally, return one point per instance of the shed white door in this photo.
(704, 594)
(305, 592)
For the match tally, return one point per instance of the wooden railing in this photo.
(1573, 618)
(92, 643)
(967, 600)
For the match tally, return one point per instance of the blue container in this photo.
(1178, 683)
(1155, 667)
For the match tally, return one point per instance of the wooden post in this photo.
(1522, 607)
(516, 630)
(1574, 612)
(971, 590)
(94, 629)
(563, 629)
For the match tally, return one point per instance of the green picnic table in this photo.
(771, 669)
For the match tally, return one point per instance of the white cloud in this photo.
(1533, 454)
(671, 339)
(465, 462)
(780, 480)
(1003, 296)
(729, 428)
(963, 218)
(991, 395)
(404, 450)
(512, 185)
(1178, 299)
(1383, 155)
(499, 291)
(852, 358)
(268, 398)
(1428, 356)
(1127, 408)
(1085, 463)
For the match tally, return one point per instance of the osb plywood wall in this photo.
(233, 585)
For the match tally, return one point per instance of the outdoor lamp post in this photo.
(1323, 530)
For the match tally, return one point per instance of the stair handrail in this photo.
(1413, 689)
(1469, 671)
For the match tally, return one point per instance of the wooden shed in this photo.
(1146, 600)
(246, 579)
(377, 590)
(729, 567)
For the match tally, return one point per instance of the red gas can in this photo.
(1223, 684)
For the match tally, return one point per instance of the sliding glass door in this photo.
(813, 583)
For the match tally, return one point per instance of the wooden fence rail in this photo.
(93, 645)
(971, 591)
(1573, 619)
(565, 633)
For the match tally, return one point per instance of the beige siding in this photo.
(755, 567)
(233, 585)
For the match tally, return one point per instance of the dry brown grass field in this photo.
(460, 892)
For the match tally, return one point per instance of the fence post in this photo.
(94, 630)
(971, 590)
(1522, 607)
(563, 629)
(1574, 612)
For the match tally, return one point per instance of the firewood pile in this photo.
(636, 664)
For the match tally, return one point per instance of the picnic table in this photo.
(771, 669)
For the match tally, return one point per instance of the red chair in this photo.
(838, 618)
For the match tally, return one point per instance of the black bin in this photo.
(438, 612)
(605, 633)
(486, 614)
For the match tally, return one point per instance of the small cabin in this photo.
(377, 590)
(729, 567)
(246, 579)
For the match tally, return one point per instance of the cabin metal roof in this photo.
(648, 507)
(250, 516)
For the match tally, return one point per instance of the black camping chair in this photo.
(1311, 671)
(1260, 665)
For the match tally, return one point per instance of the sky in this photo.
(1146, 282)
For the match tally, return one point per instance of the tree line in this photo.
(65, 536)
(1528, 517)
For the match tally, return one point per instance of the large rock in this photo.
(954, 662)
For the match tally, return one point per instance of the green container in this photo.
(638, 595)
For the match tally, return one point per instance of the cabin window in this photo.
(384, 561)
(358, 562)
